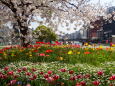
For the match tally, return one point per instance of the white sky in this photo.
(102, 2)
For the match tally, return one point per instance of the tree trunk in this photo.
(24, 42)
(25, 39)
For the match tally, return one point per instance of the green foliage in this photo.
(43, 33)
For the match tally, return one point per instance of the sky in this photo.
(102, 2)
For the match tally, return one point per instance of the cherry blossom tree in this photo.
(55, 12)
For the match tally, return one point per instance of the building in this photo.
(102, 31)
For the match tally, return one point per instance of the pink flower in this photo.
(100, 73)
(41, 73)
(72, 78)
(28, 85)
(87, 76)
(24, 69)
(56, 77)
(83, 83)
(112, 77)
(47, 55)
(33, 69)
(49, 79)
(3, 76)
(10, 73)
(63, 70)
(34, 76)
(42, 54)
(28, 73)
(49, 72)
(46, 75)
(96, 83)
(71, 72)
(19, 70)
(78, 84)
(79, 76)
(12, 82)
(6, 68)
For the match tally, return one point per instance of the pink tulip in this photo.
(49, 79)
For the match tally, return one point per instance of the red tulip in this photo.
(35, 51)
(63, 70)
(24, 69)
(19, 70)
(79, 76)
(83, 83)
(87, 76)
(46, 76)
(41, 73)
(100, 73)
(49, 51)
(6, 68)
(49, 72)
(4, 76)
(47, 55)
(28, 73)
(73, 78)
(33, 69)
(42, 54)
(1, 75)
(112, 77)
(56, 77)
(34, 76)
(87, 52)
(10, 73)
(96, 83)
(49, 79)
(1, 52)
(71, 72)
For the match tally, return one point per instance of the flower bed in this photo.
(48, 64)
(63, 53)
(45, 74)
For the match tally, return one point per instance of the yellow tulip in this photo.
(70, 52)
(30, 55)
(93, 48)
(89, 45)
(60, 58)
(101, 46)
(78, 52)
(111, 49)
(86, 49)
(86, 44)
